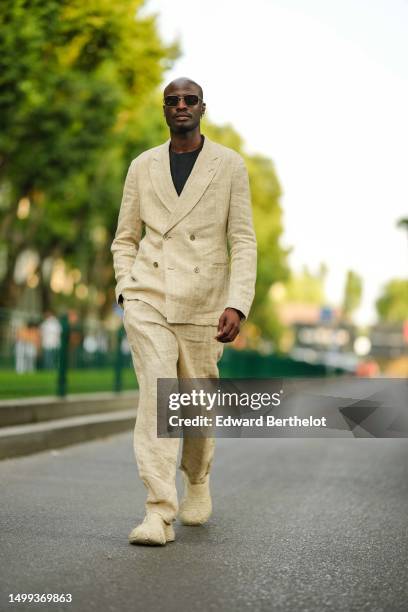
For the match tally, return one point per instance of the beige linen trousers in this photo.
(179, 261)
(167, 350)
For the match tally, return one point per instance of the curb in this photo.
(22, 440)
(38, 409)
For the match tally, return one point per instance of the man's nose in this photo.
(181, 103)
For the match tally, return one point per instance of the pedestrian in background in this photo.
(27, 346)
(50, 330)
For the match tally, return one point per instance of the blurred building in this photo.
(319, 335)
(389, 340)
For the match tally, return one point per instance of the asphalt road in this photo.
(298, 525)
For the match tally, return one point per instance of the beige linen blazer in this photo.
(193, 255)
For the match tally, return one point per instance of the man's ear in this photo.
(203, 108)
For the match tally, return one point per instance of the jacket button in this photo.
(196, 269)
(192, 237)
(156, 265)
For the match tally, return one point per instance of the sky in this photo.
(321, 88)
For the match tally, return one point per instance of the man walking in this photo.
(184, 295)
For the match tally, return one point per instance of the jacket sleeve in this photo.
(242, 242)
(128, 233)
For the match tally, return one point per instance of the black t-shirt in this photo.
(181, 164)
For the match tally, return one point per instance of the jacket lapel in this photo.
(200, 177)
(160, 176)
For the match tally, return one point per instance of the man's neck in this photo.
(184, 143)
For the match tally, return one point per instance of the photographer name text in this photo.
(259, 421)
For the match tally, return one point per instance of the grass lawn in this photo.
(42, 382)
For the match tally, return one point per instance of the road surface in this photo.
(298, 525)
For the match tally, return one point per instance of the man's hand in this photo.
(228, 325)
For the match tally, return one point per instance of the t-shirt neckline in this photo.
(189, 152)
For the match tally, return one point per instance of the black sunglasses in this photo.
(189, 99)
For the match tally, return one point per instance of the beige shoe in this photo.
(196, 507)
(152, 532)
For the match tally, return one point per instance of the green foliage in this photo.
(392, 305)
(306, 287)
(77, 83)
(224, 134)
(352, 293)
(403, 223)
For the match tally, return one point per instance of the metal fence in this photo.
(53, 355)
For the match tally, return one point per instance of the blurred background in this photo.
(313, 95)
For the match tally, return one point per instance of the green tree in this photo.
(306, 287)
(392, 305)
(77, 82)
(352, 294)
(403, 223)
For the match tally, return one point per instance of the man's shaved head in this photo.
(184, 119)
(182, 82)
